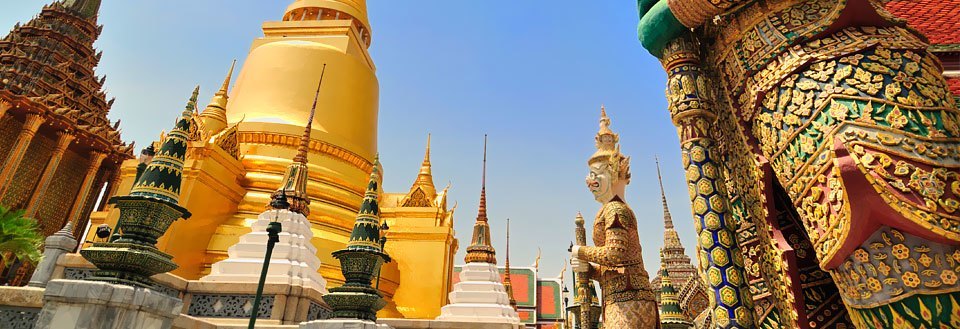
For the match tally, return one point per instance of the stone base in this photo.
(479, 297)
(438, 324)
(343, 324)
(100, 305)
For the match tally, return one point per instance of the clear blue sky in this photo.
(531, 74)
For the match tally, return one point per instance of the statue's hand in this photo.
(579, 266)
(658, 25)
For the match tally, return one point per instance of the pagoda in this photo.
(674, 260)
(672, 315)
(242, 143)
(480, 296)
(57, 147)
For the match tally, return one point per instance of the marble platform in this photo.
(100, 305)
(294, 260)
(479, 297)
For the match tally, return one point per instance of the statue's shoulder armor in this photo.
(617, 214)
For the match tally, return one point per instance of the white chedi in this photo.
(294, 260)
(479, 297)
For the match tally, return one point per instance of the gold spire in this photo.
(507, 283)
(294, 184)
(423, 192)
(480, 249)
(214, 116)
(667, 219)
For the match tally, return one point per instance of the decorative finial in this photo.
(192, 103)
(579, 220)
(226, 81)
(215, 114)
(294, 184)
(667, 219)
(507, 282)
(305, 139)
(480, 249)
(483, 184)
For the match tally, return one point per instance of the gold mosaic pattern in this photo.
(28, 174)
(57, 202)
(9, 129)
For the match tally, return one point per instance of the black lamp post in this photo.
(383, 242)
(278, 202)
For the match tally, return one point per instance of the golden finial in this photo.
(215, 114)
(579, 220)
(305, 139)
(483, 184)
(667, 219)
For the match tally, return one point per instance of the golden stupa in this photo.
(243, 143)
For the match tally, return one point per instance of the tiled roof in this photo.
(939, 20)
(954, 85)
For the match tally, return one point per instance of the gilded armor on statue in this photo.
(840, 140)
(616, 260)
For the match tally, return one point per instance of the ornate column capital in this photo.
(64, 137)
(32, 123)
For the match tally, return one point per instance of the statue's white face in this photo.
(600, 182)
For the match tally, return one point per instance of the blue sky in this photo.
(531, 74)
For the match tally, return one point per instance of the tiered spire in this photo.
(84, 8)
(162, 177)
(507, 282)
(366, 230)
(480, 249)
(671, 313)
(674, 255)
(214, 116)
(294, 184)
(423, 192)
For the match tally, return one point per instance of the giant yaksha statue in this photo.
(615, 261)
(822, 133)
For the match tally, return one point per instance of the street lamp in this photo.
(278, 202)
(383, 242)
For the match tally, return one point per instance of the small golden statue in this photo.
(615, 261)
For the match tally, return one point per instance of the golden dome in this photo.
(277, 85)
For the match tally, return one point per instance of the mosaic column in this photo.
(720, 257)
(86, 189)
(64, 138)
(12, 163)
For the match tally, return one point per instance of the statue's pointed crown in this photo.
(608, 148)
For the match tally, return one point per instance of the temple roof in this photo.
(939, 20)
(422, 193)
(47, 65)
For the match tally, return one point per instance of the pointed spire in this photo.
(482, 213)
(84, 8)
(305, 139)
(667, 219)
(163, 175)
(480, 249)
(214, 116)
(366, 230)
(423, 193)
(294, 184)
(507, 282)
